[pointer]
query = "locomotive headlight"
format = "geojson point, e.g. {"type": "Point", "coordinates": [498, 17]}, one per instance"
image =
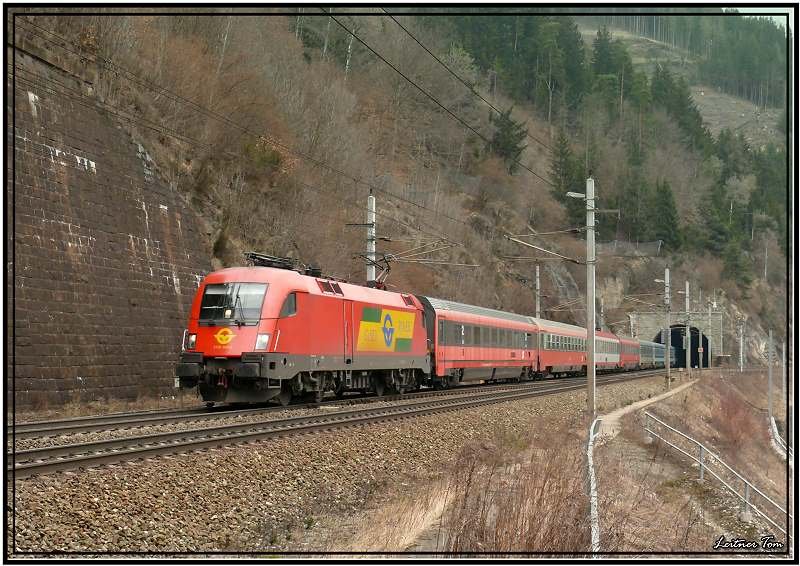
{"type": "Point", "coordinates": [261, 341]}
{"type": "Point", "coordinates": [191, 340]}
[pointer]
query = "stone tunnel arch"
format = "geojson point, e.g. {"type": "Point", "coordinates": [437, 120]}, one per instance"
{"type": "Point", "coordinates": [677, 333]}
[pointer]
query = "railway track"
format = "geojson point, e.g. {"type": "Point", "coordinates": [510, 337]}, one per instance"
{"type": "Point", "coordinates": [140, 419]}
{"type": "Point", "coordinates": [91, 454]}
{"type": "Point", "coordinates": [121, 421]}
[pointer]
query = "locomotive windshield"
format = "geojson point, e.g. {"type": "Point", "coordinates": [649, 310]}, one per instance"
{"type": "Point", "coordinates": [232, 303]}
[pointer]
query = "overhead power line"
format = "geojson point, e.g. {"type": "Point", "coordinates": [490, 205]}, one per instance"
{"type": "Point", "coordinates": [136, 79]}
{"type": "Point", "coordinates": [59, 89]}
{"type": "Point", "coordinates": [430, 96]}
{"type": "Point", "coordinates": [147, 83]}
{"type": "Point", "coordinates": [458, 78]}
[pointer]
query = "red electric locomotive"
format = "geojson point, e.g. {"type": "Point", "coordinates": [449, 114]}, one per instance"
{"type": "Point", "coordinates": [261, 332]}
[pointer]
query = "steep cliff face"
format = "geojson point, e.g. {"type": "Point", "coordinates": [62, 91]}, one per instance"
{"type": "Point", "coordinates": [107, 255]}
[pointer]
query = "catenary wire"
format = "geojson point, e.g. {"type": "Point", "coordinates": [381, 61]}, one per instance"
{"type": "Point", "coordinates": [430, 96]}
{"type": "Point", "coordinates": [136, 79]}
{"type": "Point", "coordinates": [457, 77]}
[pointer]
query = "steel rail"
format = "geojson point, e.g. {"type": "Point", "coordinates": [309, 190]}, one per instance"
{"type": "Point", "coordinates": [61, 458]}
{"type": "Point", "coordinates": [43, 429]}
{"type": "Point", "coordinates": [122, 421]}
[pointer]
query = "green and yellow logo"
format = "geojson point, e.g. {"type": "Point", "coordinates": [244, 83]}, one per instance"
{"type": "Point", "coordinates": [224, 336]}
{"type": "Point", "coordinates": [385, 330]}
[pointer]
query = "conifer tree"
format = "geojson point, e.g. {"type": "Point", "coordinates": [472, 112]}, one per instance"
{"type": "Point", "coordinates": [507, 139]}
{"type": "Point", "coordinates": [565, 174]}
{"type": "Point", "coordinates": [663, 222]}
{"type": "Point", "coordinates": [602, 57]}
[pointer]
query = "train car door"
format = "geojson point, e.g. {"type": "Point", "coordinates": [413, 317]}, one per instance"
{"type": "Point", "coordinates": [348, 331]}
{"type": "Point", "coordinates": [440, 346]}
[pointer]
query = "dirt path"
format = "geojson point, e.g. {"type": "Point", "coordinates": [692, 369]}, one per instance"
{"type": "Point", "coordinates": [610, 425]}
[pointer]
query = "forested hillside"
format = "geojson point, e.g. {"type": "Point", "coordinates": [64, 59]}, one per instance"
{"type": "Point", "coordinates": [466, 128]}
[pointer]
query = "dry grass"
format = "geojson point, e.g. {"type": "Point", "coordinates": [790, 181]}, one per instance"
{"type": "Point", "coordinates": [641, 510]}
{"type": "Point", "coordinates": [735, 420]}
{"type": "Point", "coordinates": [77, 407]}
{"type": "Point", "coordinates": [537, 505]}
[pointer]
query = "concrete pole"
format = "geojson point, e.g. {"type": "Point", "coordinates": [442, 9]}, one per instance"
{"type": "Point", "coordinates": [688, 335]}
{"type": "Point", "coordinates": [538, 294]}
{"type": "Point", "coordinates": [708, 342]}
{"type": "Point", "coordinates": [783, 371]}
{"type": "Point", "coordinates": [769, 374]}
{"type": "Point", "coordinates": [590, 322]}
{"type": "Point", "coordinates": [667, 304]}
{"type": "Point", "coordinates": [700, 337]}
{"type": "Point", "coordinates": [371, 236]}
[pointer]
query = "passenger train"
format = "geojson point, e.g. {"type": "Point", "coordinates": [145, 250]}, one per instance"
{"type": "Point", "coordinates": [271, 331]}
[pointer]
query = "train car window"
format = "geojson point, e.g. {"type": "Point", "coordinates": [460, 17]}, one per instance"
{"type": "Point", "coordinates": [462, 334]}
{"type": "Point", "coordinates": [441, 333]}
{"type": "Point", "coordinates": [289, 307]}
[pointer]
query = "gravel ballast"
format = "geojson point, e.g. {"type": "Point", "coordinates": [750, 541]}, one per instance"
{"type": "Point", "coordinates": [224, 419]}
{"type": "Point", "coordinates": [248, 497]}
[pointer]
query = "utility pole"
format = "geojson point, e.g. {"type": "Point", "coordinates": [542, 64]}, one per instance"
{"type": "Point", "coordinates": [766, 257]}
{"type": "Point", "coordinates": [590, 324]}
{"type": "Point", "coordinates": [769, 375]}
{"type": "Point", "coordinates": [370, 238]}
{"type": "Point", "coordinates": [538, 294]}
{"type": "Point", "coordinates": [668, 337]}
{"type": "Point", "coordinates": [591, 260]}
{"type": "Point", "coordinates": [783, 372]}
{"type": "Point", "coordinates": [688, 335]}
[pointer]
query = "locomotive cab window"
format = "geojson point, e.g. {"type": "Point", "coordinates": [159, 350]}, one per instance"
{"type": "Point", "coordinates": [232, 303]}
{"type": "Point", "coordinates": [289, 307]}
